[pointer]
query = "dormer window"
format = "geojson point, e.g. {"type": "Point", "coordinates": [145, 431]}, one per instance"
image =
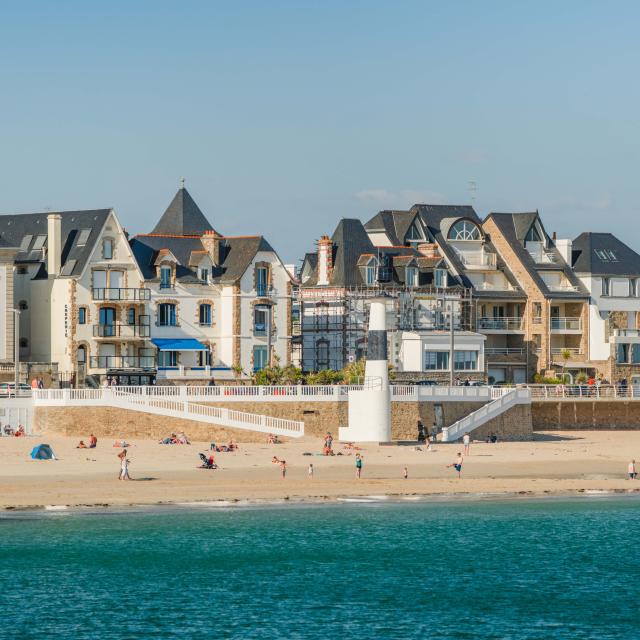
{"type": "Point", "coordinates": [371, 272]}
{"type": "Point", "coordinates": [414, 235]}
{"type": "Point", "coordinates": [411, 277]}
{"type": "Point", "coordinates": [204, 275]}
{"type": "Point", "coordinates": [440, 278]}
{"type": "Point", "coordinates": [165, 277]}
{"type": "Point", "coordinates": [533, 235]}
{"type": "Point", "coordinates": [464, 230]}
{"type": "Point", "coordinates": [107, 249]}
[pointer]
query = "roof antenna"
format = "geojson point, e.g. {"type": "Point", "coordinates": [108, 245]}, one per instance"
{"type": "Point", "coordinates": [473, 187]}
{"type": "Point", "coordinates": [182, 183]}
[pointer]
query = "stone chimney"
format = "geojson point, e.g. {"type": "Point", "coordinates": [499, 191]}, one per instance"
{"type": "Point", "coordinates": [325, 259]}
{"type": "Point", "coordinates": [211, 241]}
{"type": "Point", "coordinates": [565, 248]}
{"type": "Point", "coordinates": [428, 250]}
{"type": "Point", "coordinates": [54, 244]}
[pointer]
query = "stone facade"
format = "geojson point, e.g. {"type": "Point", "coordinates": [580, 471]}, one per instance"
{"type": "Point", "coordinates": [566, 415]}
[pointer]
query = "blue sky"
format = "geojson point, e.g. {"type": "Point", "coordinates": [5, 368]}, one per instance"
{"type": "Point", "coordinates": [286, 116]}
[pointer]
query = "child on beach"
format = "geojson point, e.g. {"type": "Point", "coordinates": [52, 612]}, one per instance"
{"type": "Point", "coordinates": [310, 472]}
{"type": "Point", "coordinates": [632, 470]}
{"type": "Point", "coordinates": [457, 465]}
{"type": "Point", "coordinates": [358, 466]}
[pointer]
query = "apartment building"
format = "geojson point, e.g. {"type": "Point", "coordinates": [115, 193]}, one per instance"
{"type": "Point", "coordinates": [610, 271]}
{"type": "Point", "coordinates": [218, 305]}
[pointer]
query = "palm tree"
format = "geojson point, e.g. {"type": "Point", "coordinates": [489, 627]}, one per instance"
{"type": "Point", "coordinates": [566, 356]}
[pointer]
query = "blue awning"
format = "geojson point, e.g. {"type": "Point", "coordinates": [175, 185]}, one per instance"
{"type": "Point", "coordinates": [179, 344]}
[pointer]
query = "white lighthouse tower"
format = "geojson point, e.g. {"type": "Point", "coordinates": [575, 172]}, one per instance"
{"type": "Point", "coordinates": [370, 408]}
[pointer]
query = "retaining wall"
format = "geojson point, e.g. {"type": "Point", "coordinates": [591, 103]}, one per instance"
{"type": "Point", "coordinates": [565, 415]}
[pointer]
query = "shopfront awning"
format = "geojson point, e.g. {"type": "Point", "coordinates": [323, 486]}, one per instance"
{"type": "Point", "coordinates": [179, 344]}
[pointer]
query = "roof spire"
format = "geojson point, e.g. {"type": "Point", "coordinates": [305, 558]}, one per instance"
{"type": "Point", "coordinates": [182, 183]}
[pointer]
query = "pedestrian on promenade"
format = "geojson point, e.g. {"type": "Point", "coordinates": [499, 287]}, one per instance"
{"type": "Point", "coordinates": [358, 466]}
{"type": "Point", "coordinates": [632, 470]}
{"type": "Point", "coordinates": [457, 465]}
{"type": "Point", "coordinates": [466, 441]}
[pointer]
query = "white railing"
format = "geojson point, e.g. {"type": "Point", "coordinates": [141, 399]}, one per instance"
{"type": "Point", "coordinates": [501, 324]}
{"type": "Point", "coordinates": [503, 400]}
{"type": "Point", "coordinates": [584, 392]}
{"type": "Point", "coordinates": [573, 351]}
{"type": "Point", "coordinates": [504, 351]}
{"type": "Point", "coordinates": [565, 324]}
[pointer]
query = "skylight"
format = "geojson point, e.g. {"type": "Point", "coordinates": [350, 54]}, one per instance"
{"type": "Point", "coordinates": [606, 255]}
{"type": "Point", "coordinates": [26, 241]}
{"type": "Point", "coordinates": [83, 237]}
{"type": "Point", "coordinates": [39, 243]}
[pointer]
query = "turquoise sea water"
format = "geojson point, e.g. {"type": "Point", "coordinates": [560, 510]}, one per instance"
{"type": "Point", "coordinates": [512, 569]}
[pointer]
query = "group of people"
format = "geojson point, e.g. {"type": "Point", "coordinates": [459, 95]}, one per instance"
{"type": "Point", "coordinates": [327, 448]}
{"type": "Point", "coordinates": [93, 443]}
{"type": "Point", "coordinates": [37, 383]}
{"type": "Point", "coordinates": [180, 438]}
{"type": "Point", "coordinates": [224, 448]}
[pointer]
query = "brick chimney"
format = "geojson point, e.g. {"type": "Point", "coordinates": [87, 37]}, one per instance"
{"type": "Point", "coordinates": [428, 250]}
{"type": "Point", "coordinates": [325, 259]}
{"type": "Point", "coordinates": [211, 241]}
{"type": "Point", "coordinates": [54, 244]}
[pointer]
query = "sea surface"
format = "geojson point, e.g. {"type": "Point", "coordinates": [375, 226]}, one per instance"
{"type": "Point", "coordinates": [513, 569]}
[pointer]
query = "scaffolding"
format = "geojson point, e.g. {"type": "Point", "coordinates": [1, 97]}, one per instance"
{"type": "Point", "coordinates": [330, 324]}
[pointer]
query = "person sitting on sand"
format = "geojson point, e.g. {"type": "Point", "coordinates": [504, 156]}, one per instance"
{"type": "Point", "coordinates": [232, 446]}
{"type": "Point", "coordinates": [457, 465]}
{"type": "Point", "coordinates": [20, 432]}
{"type": "Point", "coordinates": [81, 445]}
{"type": "Point", "coordinates": [8, 430]}
{"type": "Point", "coordinates": [93, 441]}
{"type": "Point", "coordinates": [283, 468]}
{"type": "Point", "coordinates": [211, 460]}
{"type": "Point", "coordinates": [275, 460]}
{"type": "Point", "coordinates": [182, 438]}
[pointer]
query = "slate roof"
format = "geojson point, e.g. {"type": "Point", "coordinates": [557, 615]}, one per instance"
{"type": "Point", "coordinates": [394, 223]}
{"type": "Point", "coordinates": [15, 229]}
{"type": "Point", "coordinates": [514, 227]}
{"type": "Point", "coordinates": [623, 261]}
{"type": "Point", "coordinates": [183, 217]}
{"type": "Point", "coordinates": [236, 255]}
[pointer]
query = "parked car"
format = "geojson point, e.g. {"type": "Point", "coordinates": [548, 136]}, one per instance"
{"type": "Point", "coordinates": [425, 383]}
{"type": "Point", "coordinates": [8, 389]}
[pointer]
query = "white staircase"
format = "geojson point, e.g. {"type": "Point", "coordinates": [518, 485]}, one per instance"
{"type": "Point", "coordinates": [503, 400]}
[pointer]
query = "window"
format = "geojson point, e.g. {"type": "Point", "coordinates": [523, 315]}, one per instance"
{"type": "Point", "coordinates": [24, 343]}
{"type": "Point", "coordinates": [167, 359]}
{"type": "Point", "coordinates": [635, 354]}
{"type": "Point", "coordinates": [623, 353]}
{"type": "Point", "coordinates": [533, 235]}
{"type": "Point", "coordinates": [204, 314]}
{"type": "Point", "coordinates": [371, 272]}
{"type": "Point", "coordinates": [259, 358]}
{"type": "Point", "coordinates": [436, 360]}
{"type": "Point", "coordinates": [606, 286]}
{"type": "Point", "coordinates": [262, 281]}
{"type": "Point", "coordinates": [606, 255]}
{"type": "Point", "coordinates": [165, 277]}
{"type": "Point", "coordinates": [204, 358]}
{"type": "Point", "coordinates": [26, 241]}
{"type": "Point", "coordinates": [22, 305]}
{"type": "Point", "coordinates": [83, 236]}
{"type": "Point", "coordinates": [260, 319]}
{"type": "Point", "coordinates": [466, 360]}
{"type": "Point", "coordinates": [82, 315]}
{"type": "Point", "coordinates": [39, 243]}
{"type": "Point", "coordinates": [634, 287]}
{"type": "Point", "coordinates": [414, 234]}
{"type": "Point", "coordinates": [107, 249]}
{"type": "Point", "coordinates": [321, 316]}
{"type": "Point", "coordinates": [440, 277]}
{"type": "Point", "coordinates": [82, 354]}
{"type": "Point", "coordinates": [167, 314]}
{"type": "Point", "coordinates": [204, 275]}
{"type": "Point", "coordinates": [322, 354]}
{"type": "Point", "coordinates": [411, 277]}
{"type": "Point", "coordinates": [464, 230]}
{"type": "Point", "coordinates": [131, 316]}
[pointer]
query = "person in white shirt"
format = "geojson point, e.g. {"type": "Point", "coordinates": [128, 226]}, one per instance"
{"type": "Point", "coordinates": [632, 470]}
{"type": "Point", "coordinates": [466, 441]}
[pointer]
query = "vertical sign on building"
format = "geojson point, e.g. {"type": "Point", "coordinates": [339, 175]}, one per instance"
{"type": "Point", "coordinates": [4, 338]}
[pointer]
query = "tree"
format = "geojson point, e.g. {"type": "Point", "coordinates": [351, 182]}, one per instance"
{"type": "Point", "coordinates": [566, 356]}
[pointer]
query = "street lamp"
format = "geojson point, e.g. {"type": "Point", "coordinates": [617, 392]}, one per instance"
{"type": "Point", "coordinates": [16, 339]}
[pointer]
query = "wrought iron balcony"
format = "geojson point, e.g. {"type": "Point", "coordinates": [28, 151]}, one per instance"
{"type": "Point", "coordinates": [121, 331]}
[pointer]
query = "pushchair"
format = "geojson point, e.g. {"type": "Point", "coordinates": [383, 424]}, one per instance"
{"type": "Point", "coordinates": [205, 462]}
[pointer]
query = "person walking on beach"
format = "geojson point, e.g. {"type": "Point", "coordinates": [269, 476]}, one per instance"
{"type": "Point", "coordinates": [466, 441]}
{"type": "Point", "coordinates": [310, 472]}
{"type": "Point", "coordinates": [457, 465]}
{"type": "Point", "coordinates": [358, 466]}
{"type": "Point", "coordinates": [405, 473]}
{"type": "Point", "coordinates": [283, 468]}
{"type": "Point", "coordinates": [632, 470]}
{"type": "Point", "coordinates": [124, 466]}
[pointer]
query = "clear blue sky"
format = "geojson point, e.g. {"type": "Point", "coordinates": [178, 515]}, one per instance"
{"type": "Point", "coordinates": [286, 116]}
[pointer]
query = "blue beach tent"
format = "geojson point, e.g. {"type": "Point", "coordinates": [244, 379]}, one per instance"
{"type": "Point", "coordinates": [42, 452]}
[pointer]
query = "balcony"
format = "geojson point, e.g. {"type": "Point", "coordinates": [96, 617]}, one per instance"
{"type": "Point", "coordinates": [264, 291]}
{"type": "Point", "coordinates": [123, 331]}
{"type": "Point", "coordinates": [626, 335]}
{"type": "Point", "coordinates": [491, 325]}
{"type": "Point", "coordinates": [121, 295]}
{"type": "Point", "coordinates": [543, 257]}
{"type": "Point", "coordinates": [572, 351]}
{"type": "Point", "coordinates": [505, 351]}
{"type": "Point", "coordinates": [566, 325]}
{"type": "Point", "coordinates": [478, 261]}
{"type": "Point", "coordinates": [122, 362]}
{"type": "Point", "coordinates": [562, 287]}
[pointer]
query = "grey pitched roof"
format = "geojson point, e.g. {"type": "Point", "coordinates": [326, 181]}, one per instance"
{"type": "Point", "coordinates": [350, 241]}
{"type": "Point", "coordinates": [183, 217]}
{"type": "Point", "coordinates": [590, 249]}
{"type": "Point", "coordinates": [236, 255]}
{"type": "Point", "coordinates": [513, 225]}
{"type": "Point", "coordinates": [15, 229]}
{"type": "Point", "coordinates": [394, 223]}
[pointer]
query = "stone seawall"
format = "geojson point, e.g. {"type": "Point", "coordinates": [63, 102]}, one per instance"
{"type": "Point", "coordinates": [319, 417]}
{"type": "Point", "coordinates": [565, 415]}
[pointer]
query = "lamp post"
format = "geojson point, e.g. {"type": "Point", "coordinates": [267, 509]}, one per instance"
{"type": "Point", "coordinates": [16, 346]}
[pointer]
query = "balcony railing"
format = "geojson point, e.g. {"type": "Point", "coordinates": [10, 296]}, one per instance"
{"type": "Point", "coordinates": [626, 333]}
{"type": "Point", "coordinates": [478, 261]}
{"type": "Point", "coordinates": [566, 324]}
{"type": "Point", "coordinates": [505, 351]}
{"type": "Point", "coordinates": [112, 294]}
{"type": "Point", "coordinates": [122, 362]}
{"type": "Point", "coordinates": [120, 331]}
{"type": "Point", "coordinates": [573, 351]}
{"type": "Point", "coordinates": [264, 291]}
{"type": "Point", "coordinates": [543, 257]}
{"type": "Point", "coordinates": [562, 286]}
{"type": "Point", "coordinates": [500, 324]}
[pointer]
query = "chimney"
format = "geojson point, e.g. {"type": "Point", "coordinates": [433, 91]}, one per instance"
{"type": "Point", "coordinates": [554, 237]}
{"type": "Point", "coordinates": [565, 248]}
{"type": "Point", "coordinates": [428, 250]}
{"type": "Point", "coordinates": [54, 244]}
{"type": "Point", "coordinates": [325, 259]}
{"type": "Point", "coordinates": [211, 241]}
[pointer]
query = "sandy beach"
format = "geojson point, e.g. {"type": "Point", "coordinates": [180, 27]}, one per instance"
{"type": "Point", "coordinates": [558, 463]}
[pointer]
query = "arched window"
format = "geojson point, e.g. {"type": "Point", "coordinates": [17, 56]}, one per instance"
{"type": "Point", "coordinates": [82, 355]}
{"type": "Point", "coordinates": [464, 230]}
